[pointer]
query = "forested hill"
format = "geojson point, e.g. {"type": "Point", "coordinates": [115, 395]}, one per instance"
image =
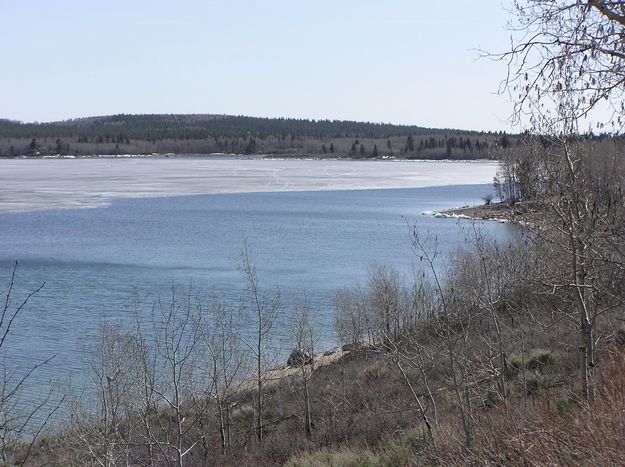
{"type": "Point", "coordinates": [206, 134]}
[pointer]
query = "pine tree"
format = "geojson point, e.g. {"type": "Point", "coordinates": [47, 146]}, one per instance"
{"type": "Point", "coordinates": [410, 143]}
{"type": "Point", "coordinates": [250, 148]}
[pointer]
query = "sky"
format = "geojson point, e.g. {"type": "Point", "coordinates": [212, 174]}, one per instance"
{"type": "Point", "coordinates": [396, 61]}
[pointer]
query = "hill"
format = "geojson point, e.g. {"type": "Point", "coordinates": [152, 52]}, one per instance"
{"type": "Point", "coordinates": [208, 134]}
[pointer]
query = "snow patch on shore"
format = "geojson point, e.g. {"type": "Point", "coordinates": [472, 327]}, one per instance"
{"type": "Point", "coordinates": [451, 215]}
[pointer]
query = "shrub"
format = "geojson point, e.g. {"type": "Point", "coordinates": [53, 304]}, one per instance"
{"type": "Point", "coordinates": [535, 361]}
{"type": "Point", "coordinates": [537, 384]}
{"type": "Point", "coordinates": [539, 359]}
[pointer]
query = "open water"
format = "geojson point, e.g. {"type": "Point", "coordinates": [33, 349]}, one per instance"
{"type": "Point", "coordinates": [98, 263]}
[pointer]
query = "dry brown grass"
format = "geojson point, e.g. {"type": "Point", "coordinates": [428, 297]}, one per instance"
{"type": "Point", "coordinates": [555, 430]}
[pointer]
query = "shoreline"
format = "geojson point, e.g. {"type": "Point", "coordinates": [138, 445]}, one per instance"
{"type": "Point", "coordinates": [521, 213]}
{"type": "Point", "coordinates": [283, 371]}
{"type": "Point", "coordinates": [267, 156]}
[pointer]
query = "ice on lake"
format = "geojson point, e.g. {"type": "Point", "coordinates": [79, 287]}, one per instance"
{"type": "Point", "coordinates": [29, 185]}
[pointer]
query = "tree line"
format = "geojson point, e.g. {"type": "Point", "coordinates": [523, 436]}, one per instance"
{"type": "Point", "coordinates": [206, 134]}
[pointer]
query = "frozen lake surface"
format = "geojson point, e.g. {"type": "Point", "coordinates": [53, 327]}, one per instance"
{"type": "Point", "coordinates": [27, 185]}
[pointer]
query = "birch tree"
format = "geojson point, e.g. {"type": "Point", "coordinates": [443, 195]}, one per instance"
{"type": "Point", "coordinates": [566, 70]}
{"type": "Point", "coordinates": [567, 47]}
{"type": "Point", "coordinates": [264, 311]}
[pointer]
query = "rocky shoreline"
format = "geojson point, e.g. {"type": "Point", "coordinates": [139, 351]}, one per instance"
{"type": "Point", "coordinates": [519, 213]}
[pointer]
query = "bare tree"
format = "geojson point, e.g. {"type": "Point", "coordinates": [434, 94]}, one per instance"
{"type": "Point", "coordinates": [177, 341]}
{"type": "Point", "coordinates": [226, 365]}
{"type": "Point", "coordinates": [388, 300]}
{"type": "Point", "coordinates": [488, 291]}
{"type": "Point", "coordinates": [110, 370]}
{"type": "Point", "coordinates": [399, 354]}
{"type": "Point", "coordinates": [353, 322]}
{"type": "Point", "coordinates": [398, 343]}
{"type": "Point", "coordinates": [101, 427]}
{"type": "Point", "coordinates": [566, 64]}
{"type": "Point", "coordinates": [454, 330]}
{"type": "Point", "coordinates": [584, 234]}
{"type": "Point", "coordinates": [303, 356]}
{"type": "Point", "coordinates": [150, 398]}
{"type": "Point", "coordinates": [265, 311]}
{"type": "Point", "coordinates": [21, 420]}
{"type": "Point", "coordinates": [144, 374]}
{"type": "Point", "coordinates": [567, 47]}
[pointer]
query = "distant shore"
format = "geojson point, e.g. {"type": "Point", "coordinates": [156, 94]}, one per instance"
{"type": "Point", "coordinates": [326, 157]}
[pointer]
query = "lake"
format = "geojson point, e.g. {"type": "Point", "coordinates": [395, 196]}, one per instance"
{"type": "Point", "coordinates": [144, 225]}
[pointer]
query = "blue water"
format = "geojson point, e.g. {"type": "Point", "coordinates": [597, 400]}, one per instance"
{"type": "Point", "coordinates": [97, 263]}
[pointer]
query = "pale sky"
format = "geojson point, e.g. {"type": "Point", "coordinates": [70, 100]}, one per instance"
{"type": "Point", "coordinates": [398, 61]}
